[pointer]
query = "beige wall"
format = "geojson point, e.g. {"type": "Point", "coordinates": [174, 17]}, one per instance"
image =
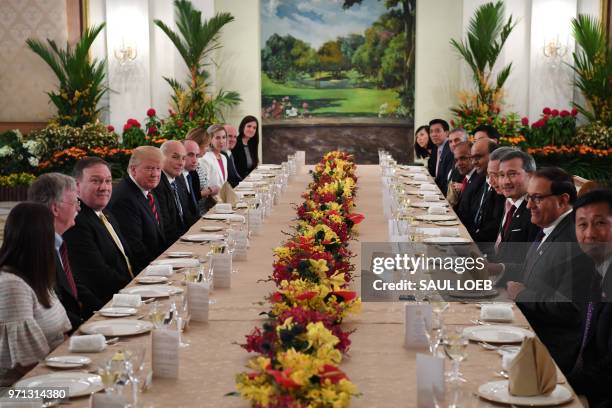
{"type": "Point", "coordinates": [24, 77]}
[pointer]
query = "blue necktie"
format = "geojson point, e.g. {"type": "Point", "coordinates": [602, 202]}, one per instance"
{"type": "Point", "coordinates": [191, 189]}
{"type": "Point", "coordinates": [176, 199]}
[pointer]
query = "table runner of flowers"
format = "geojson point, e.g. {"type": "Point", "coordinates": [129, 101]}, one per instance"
{"type": "Point", "coordinates": [303, 342]}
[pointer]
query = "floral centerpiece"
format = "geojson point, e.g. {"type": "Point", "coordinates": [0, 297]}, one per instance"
{"type": "Point", "coordinates": [302, 344]}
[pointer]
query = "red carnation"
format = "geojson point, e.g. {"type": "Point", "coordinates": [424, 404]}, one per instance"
{"type": "Point", "coordinates": [574, 112]}
{"type": "Point", "coordinates": [546, 111]}
{"type": "Point", "coordinates": [151, 112]}
{"type": "Point", "coordinates": [564, 113]}
{"type": "Point", "coordinates": [525, 121]}
{"type": "Point", "coordinates": [110, 128]}
{"type": "Point", "coordinates": [554, 112]}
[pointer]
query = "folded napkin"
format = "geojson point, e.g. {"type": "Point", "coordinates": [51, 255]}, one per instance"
{"type": "Point", "coordinates": [418, 176]}
{"type": "Point", "coordinates": [158, 270]}
{"type": "Point", "coordinates": [532, 371]}
{"type": "Point", "coordinates": [126, 300]}
{"type": "Point", "coordinates": [437, 209]}
{"type": "Point", "coordinates": [223, 208]}
{"type": "Point", "coordinates": [91, 343]}
{"type": "Point", "coordinates": [432, 232]}
{"type": "Point", "coordinates": [497, 312]}
{"type": "Point", "coordinates": [427, 187]}
{"type": "Point", "coordinates": [431, 197]}
{"type": "Point", "coordinates": [227, 194]}
{"type": "Point", "coordinates": [449, 232]}
{"type": "Point", "coordinates": [246, 184]}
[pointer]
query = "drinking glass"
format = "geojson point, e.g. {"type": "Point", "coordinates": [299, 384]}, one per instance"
{"type": "Point", "coordinates": [157, 314]}
{"type": "Point", "coordinates": [209, 278]}
{"type": "Point", "coordinates": [230, 245]}
{"type": "Point", "coordinates": [438, 306]}
{"type": "Point", "coordinates": [134, 367]}
{"type": "Point", "coordinates": [433, 335]}
{"type": "Point", "coordinates": [455, 346]}
{"type": "Point", "coordinates": [182, 312]}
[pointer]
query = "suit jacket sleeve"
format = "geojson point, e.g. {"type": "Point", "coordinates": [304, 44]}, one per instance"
{"type": "Point", "coordinates": [130, 223]}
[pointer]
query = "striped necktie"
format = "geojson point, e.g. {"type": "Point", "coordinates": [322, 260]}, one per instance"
{"type": "Point", "coordinates": [117, 241]}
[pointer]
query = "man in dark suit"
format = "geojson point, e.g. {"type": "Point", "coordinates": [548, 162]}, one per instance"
{"type": "Point", "coordinates": [58, 192]}
{"type": "Point", "coordinates": [232, 173]}
{"type": "Point", "coordinates": [464, 170]}
{"type": "Point", "coordinates": [136, 208]}
{"type": "Point", "coordinates": [192, 180]}
{"type": "Point", "coordinates": [553, 287]}
{"type": "Point", "coordinates": [98, 251]}
{"type": "Point", "coordinates": [474, 198]}
{"type": "Point", "coordinates": [172, 202]}
{"type": "Point", "coordinates": [441, 160]}
{"type": "Point", "coordinates": [516, 229]}
{"type": "Point", "coordinates": [592, 372]}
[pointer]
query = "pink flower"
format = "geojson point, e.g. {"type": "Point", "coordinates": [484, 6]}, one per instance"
{"type": "Point", "coordinates": [546, 111]}
{"type": "Point", "coordinates": [525, 121]}
{"type": "Point", "coordinates": [151, 112]}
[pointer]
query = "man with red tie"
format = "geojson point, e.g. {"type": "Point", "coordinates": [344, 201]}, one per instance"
{"type": "Point", "coordinates": [136, 209]}
{"type": "Point", "coordinates": [463, 166]}
{"type": "Point", "coordinates": [99, 252]}
{"type": "Point", "coordinates": [58, 192]}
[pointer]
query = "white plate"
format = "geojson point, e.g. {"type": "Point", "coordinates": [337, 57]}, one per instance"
{"type": "Point", "coordinates": [217, 211]}
{"type": "Point", "coordinates": [245, 191]}
{"type": "Point", "coordinates": [177, 262]}
{"type": "Point", "coordinates": [447, 240]}
{"type": "Point", "coordinates": [179, 254]}
{"type": "Point", "coordinates": [118, 327]}
{"type": "Point", "coordinates": [496, 333]}
{"type": "Point", "coordinates": [241, 205]}
{"type": "Point", "coordinates": [211, 228]}
{"type": "Point", "coordinates": [67, 361]}
{"type": "Point", "coordinates": [152, 291]}
{"type": "Point", "coordinates": [150, 280]}
{"type": "Point", "coordinates": [118, 311]}
{"type": "Point", "coordinates": [231, 217]}
{"type": "Point", "coordinates": [427, 204]}
{"type": "Point", "coordinates": [497, 391]}
{"type": "Point", "coordinates": [202, 237]}
{"type": "Point", "coordinates": [78, 383]}
{"type": "Point", "coordinates": [447, 223]}
{"type": "Point", "coordinates": [435, 217]}
{"type": "Point", "coordinates": [269, 166]}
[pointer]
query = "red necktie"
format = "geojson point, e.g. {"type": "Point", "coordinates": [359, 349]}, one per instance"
{"type": "Point", "coordinates": [508, 219]}
{"type": "Point", "coordinates": [152, 206]}
{"type": "Point", "coordinates": [464, 183]}
{"type": "Point", "coordinates": [67, 270]}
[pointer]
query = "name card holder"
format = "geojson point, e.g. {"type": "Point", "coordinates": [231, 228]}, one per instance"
{"type": "Point", "coordinates": [197, 297]}
{"type": "Point", "coordinates": [417, 316]}
{"type": "Point", "coordinates": [222, 270]}
{"type": "Point", "coordinates": [165, 353]}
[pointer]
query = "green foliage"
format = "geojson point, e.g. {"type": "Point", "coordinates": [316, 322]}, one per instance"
{"type": "Point", "coordinates": [596, 134]}
{"type": "Point", "coordinates": [593, 68]}
{"type": "Point", "coordinates": [195, 39]}
{"type": "Point", "coordinates": [17, 179]}
{"type": "Point", "coordinates": [487, 34]}
{"type": "Point", "coordinates": [80, 79]}
{"type": "Point", "coordinates": [55, 138]}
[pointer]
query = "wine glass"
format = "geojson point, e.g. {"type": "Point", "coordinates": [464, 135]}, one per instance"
{"type": "Point", "coordinates": [134, 367]}
{"type": "Point", "coordinates": [230, 245]}
{"type": "Point", "coordinates": [209, 277]}
{"type": "Point", "coordinates": [438, 306]}
{"type": "Point", "coordinates": [157, 314]}
{"type": "Point", "coordinates": [182, 312]}
{"type": "Point", "coordinates": [433, 335]}
{"type": "Point", "coordinates": [455, 346]}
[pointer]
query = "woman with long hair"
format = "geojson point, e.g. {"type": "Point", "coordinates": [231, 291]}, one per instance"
{"type": "Point", "coordinates": [32, 319]}
{"type": "Point", "coordinates": [202, 138]}
{"type": "Point", "coordinates": [245, 152]}
{"type": "Point", "coordinates": [423, 145]}
{"type": "Point", "coordinates": [215, 161]}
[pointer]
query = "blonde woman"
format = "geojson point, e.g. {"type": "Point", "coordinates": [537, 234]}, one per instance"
{"type": "Point", "coordinates": [216, 162]}
{"type": "Point", "coordinates": [202, 138]}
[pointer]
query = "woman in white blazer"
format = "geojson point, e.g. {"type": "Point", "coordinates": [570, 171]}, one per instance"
{"type": "Point", "coordinates": [215, 162]}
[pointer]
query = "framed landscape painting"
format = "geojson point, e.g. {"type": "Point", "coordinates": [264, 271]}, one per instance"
{"type": "Point", "coordinates": [337, 58]}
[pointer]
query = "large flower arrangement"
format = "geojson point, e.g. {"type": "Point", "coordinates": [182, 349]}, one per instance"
{"type": "Point", "coordinates": [302, 343]}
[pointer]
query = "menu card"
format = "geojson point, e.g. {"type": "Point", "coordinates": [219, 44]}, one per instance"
{"type": "Point", "coordinates": [197, 296]}
{"type": "Point", "coordinates": [165, 353]}
{"type": "Point", "coordinates": [430, 380]}
{"type": "Point", "coordinates": [416, 317]}
{"type": "Point", "coordinates": [222, 270]}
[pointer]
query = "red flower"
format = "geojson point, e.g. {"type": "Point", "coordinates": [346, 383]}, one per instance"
{"type": "Point", "coordinates": [347, 295]}
{"type": "Point", "coordinates": [564, 113]}
{"type": "Point", "coordinates": [546, 111]}
{"type": "Point", "coordinates": [574, 112]}
{"type": "Point", "coordinates": [191, 115]}
{"type": "Point", "coordinates": [282, 378]}
{"type": "Point", "coordinates": [538, 124]}
{"type": "Point", "coordinates": [452, 122]}
{"type": "Point", "coordinates": [151, 112]}
{"type": "Point", "coordinates": [356, 218]}
{"type": "Point", "coordinates": [554, 112]}
{"type": "Point", "coordinates": [171, 112]}
{"type": "Point", "coordinates": [333, 373]}
{"type": "Point", "coordinates": [110, 128]}
{"type": "Point", "coordinates": [276, 297]}
{"type": "Point", "coordinates": [127, 126]}
{"type": "Point", "coordinates": [152, 130]}
{"type": "Point", "coordinates": [525, 121]}
{"type": "Point", "coordinates": [306, 295]}
{"type": "Point", "coordinates": [133, 122]}
{"type": "Point", "coordinates": [179, 123]}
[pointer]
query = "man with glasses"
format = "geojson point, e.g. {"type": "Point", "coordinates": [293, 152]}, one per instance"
{"type": "Point", "coordinates": [592, 371]}
{"type": "Point", "coordinates": [136, 207]}
{"type": "Point", "coordinates": [58, 192]}
{"type": "Point", "coordinates": [551, 285]}
{"type": "Point", "coordinates": [515, 228]}
{"type": "Point", "coordinates": [98, 251]}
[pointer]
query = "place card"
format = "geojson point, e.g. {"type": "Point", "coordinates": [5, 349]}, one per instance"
{"type": "Point", "coordinates": [255, 220]}
{"type": "Point", "coordinates": [430, 380]}
{"type": "Point", "coordinates": [222, 270]}
{"type": "Point", "coordinates": [417, 315]}
{"type": "Point", "coordinates": [242, 244]}
{"type": "Point", "coordinates": [165, 353]}
{"type": "Point", "coordinates": [197, 297]}
{"type": "Point", "coordinates": [104, 400]}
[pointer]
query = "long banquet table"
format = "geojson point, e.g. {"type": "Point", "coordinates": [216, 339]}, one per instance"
{"type": "Point", "coordinates": [383, 370]}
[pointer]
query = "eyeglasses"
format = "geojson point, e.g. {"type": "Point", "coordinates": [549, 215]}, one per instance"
{"type": "Point", "coordinates": [537, 198]}
{"type": "Point", "coordinates": [75, 203]}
